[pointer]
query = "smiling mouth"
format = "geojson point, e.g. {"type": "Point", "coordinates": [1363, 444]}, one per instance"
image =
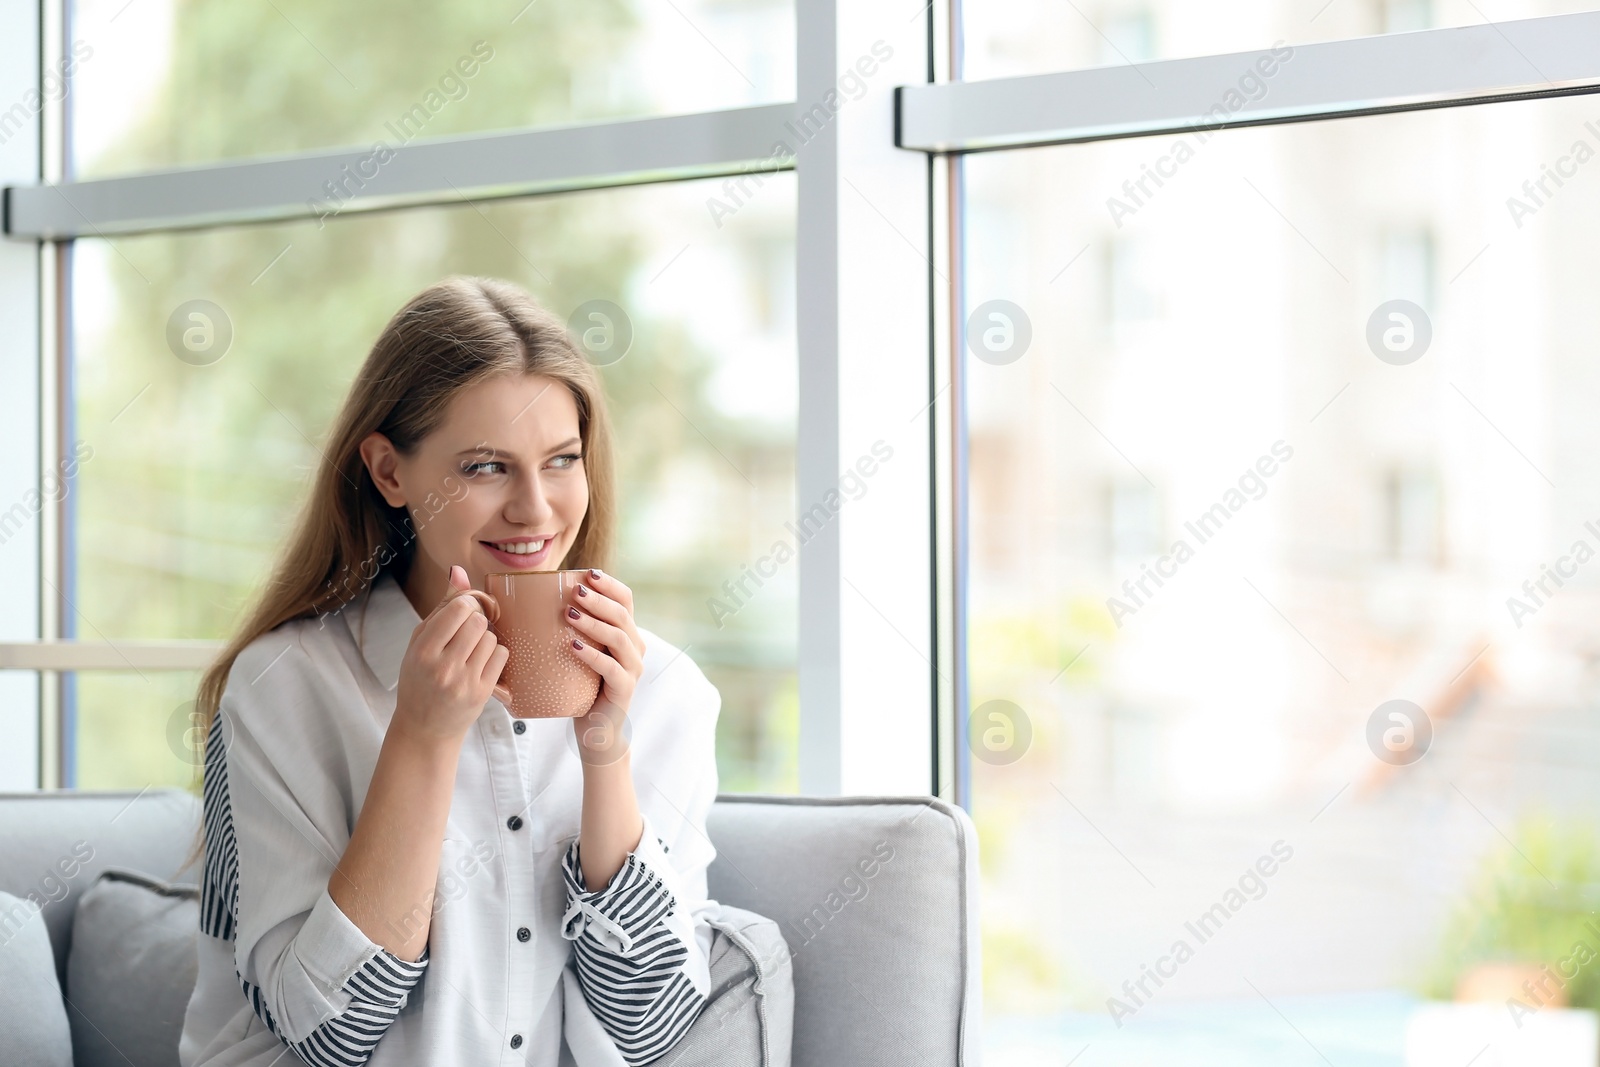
{"type": "Point", "coordinates": [519, 548]}
{"type": "Point", "coordinates": [520, 553]}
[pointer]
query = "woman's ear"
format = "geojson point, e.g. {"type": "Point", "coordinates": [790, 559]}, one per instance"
{"type": "Point", "coordinates": [382, 461]}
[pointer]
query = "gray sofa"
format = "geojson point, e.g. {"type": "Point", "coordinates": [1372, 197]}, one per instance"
{"type": "Point", "coordinates": [875, 896]}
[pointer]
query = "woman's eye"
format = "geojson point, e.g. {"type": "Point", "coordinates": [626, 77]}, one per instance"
{"type": "Point", "coordinates": [571, 457]}
{"type": "Point", "coordinates": [473, 468]}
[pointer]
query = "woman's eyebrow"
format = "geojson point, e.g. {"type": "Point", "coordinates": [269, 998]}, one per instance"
{"type": "Point", "coordinates": [480, 449]}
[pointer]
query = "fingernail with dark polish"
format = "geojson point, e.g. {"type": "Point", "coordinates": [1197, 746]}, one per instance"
{"type": "Point", "coordinates": [574, 613]}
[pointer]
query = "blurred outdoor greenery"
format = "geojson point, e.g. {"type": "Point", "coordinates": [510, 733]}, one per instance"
{"type": "Point", "coordinates": [197, 470]}
{"type": "Point", "coordinates": [257, 79]}
{"type": "Point", "coordinates": [1531, 902]}
{"type": "Point", "coordinates": [1040, 660]}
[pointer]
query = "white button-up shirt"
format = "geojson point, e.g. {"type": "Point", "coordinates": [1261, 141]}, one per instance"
{"type": "Point", "coordinates": [523, 965]}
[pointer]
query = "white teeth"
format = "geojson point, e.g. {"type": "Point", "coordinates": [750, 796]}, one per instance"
{"type": "Point", "coordinates": [522, 548]}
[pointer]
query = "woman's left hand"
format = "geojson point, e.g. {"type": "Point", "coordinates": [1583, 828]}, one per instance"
{"type": "Point", "coordinates": [612, 646]}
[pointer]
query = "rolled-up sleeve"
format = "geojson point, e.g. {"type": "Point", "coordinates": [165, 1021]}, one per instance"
{"type": "Point", "coordinates": [641, 943]}
{"type": "Point", "coordinates": [277, 825]}
{"type": "Point", "coordinates": [635, 953]}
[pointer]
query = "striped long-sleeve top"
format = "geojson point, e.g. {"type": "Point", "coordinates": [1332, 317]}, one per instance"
{"type": "Point", "coordinates": [522, 957]}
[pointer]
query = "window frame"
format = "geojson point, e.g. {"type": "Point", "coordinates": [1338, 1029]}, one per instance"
{"type": "Point", "coordinates": [882, 676]}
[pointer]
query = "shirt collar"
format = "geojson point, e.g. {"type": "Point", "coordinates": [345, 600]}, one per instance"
{"type": "Point", "coordinates": [383, 628]}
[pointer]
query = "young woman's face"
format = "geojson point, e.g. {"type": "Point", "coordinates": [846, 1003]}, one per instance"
{"type": "Point", "coordinates": [499, 486]}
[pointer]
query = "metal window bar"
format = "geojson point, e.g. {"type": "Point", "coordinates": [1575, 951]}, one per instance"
{"type": "Point", "coordinates": [1528, 58]}
{"type": "Point", "coordinates": [441, 170]}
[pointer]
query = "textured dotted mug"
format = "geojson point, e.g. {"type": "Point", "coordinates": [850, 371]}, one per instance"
{"type": "Point", "coordinates": [543, 677]}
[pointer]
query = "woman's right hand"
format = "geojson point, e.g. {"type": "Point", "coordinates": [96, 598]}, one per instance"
{"type": "Point", "coordinates": [450, 667]}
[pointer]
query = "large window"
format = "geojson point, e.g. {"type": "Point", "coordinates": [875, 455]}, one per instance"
{"type": "Point", "coordinates": [1283, 529]}
{"type": "Point", "coordinates": [295, 173]}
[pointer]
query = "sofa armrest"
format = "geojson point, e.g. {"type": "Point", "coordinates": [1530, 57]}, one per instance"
{"type": "Point", "coordinates": [877, 898]}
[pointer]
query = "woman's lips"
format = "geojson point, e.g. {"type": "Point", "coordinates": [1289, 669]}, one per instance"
{"type": "Point", "coordinates": [523, 562]}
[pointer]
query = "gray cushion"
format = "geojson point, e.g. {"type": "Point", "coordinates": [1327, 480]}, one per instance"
{"type": "Point", "coordinates": [873, 896]}
{"type": "Point", "coordinates": [131, 969]}
{"type": "Point", "coordinates": [33, 1024]}
{"type": "Point", "coordinates": [53, 844]}
{"type": "Point", "coordinates": [748, 1020]}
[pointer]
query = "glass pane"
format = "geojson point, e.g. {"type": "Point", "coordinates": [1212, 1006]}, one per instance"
{"type": "Point", "coordinates": [195, 469]}
{"type": "Point", "coordinates": [1285, 513]}
{"type": "Point", "coordinates": [1014, 37]}
{"type": "Point", "coordinates": [135, 729]}
{"type": "Point", "coordinates": [159, 84]}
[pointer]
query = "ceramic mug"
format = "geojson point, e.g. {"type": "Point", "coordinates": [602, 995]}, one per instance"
{"type": "Point", "coordinates": [543, 677]}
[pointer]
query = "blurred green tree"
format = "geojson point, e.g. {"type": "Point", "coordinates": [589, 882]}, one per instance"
{"type": "Point", "coordinates": [1534, 902]}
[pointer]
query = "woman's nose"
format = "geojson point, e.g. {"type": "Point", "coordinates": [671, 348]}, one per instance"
{"type": "Point", "coordinates": [528, 506]}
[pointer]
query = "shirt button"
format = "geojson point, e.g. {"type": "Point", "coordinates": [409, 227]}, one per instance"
{"type": "Point", "coordinates": [515, 822]}
{"type": "Point", "coordinates": [523, 933]}
{"type": "Point", "coordinates": [516, 1040]}
{"type": "Point", "coordinates": [519, 726]}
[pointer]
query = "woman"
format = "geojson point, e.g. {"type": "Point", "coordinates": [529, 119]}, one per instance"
{"type": "Point", "coordinates": [396, 870]}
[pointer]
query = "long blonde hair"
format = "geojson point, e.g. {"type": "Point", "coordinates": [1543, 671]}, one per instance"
{"type": "Point", "coordinates": [451, 335]}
